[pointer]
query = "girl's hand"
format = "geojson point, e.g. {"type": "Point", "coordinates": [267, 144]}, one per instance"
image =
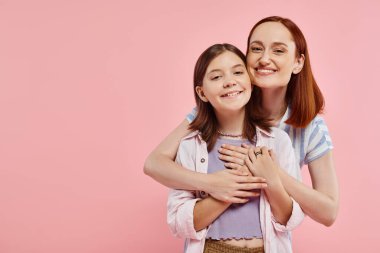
{"type": "Point", "coordinates": [234, 186]}
{"type": "Point", "coordinates": [234, 156]}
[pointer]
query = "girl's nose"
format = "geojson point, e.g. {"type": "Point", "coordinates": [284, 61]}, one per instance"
{"type": "Point", "coordinates": [229, 84]}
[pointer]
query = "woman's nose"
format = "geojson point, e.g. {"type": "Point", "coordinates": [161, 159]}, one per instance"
{"type": "Point", "coordinates": [265, 58]}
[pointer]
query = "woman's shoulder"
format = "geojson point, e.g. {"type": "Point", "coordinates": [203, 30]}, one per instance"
{"type": "Point", "coordinates": [318, 121]}
{"type": "Point", "coordinates": [279, 134]}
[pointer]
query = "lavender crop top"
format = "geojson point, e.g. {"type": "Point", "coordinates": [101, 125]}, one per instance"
{"type": "Point", "coordinates": [239, 220]}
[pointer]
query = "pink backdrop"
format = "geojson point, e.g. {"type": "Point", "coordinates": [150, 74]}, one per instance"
{"type": "Point", "coordinates": [88, 89]}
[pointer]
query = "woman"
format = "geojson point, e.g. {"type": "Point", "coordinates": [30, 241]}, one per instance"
{"type": "Point", "coordinates": [279, 66]}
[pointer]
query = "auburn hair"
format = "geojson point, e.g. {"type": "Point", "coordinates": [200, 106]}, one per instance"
{"type": "Point", "coordinates": [206, 121]}
{"type": "Point", "coordinates": [303, 95]}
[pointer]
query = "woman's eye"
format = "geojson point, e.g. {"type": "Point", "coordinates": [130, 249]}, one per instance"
{"type": "Point", "coordinates": [279, 51]}
{"type": "Point", "coordinates": [239, 72]}
{"type": "Point", "coordinates": [256, 49]}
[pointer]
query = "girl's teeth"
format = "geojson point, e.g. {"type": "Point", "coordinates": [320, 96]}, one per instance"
{"type": "Point", "coordinates": [232, 94]}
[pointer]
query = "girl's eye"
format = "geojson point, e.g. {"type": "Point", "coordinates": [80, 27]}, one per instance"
{"type": "Point", "coordinates": [214, 78]}
{"type": "Point", "coordinates": [238, 72]}
{"type": "Point", "coordinates": [279, 51]}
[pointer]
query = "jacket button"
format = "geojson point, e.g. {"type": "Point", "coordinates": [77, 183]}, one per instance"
{"type": "Point", "coordinates": [203, 194]}
{"type": "Point", "coordinates": [203, 160]}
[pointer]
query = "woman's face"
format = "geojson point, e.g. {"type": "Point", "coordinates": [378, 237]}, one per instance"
{"type": "Point", "coordinates": [226, 84]}
{"type": "Point", "coordinates": [271, 58]}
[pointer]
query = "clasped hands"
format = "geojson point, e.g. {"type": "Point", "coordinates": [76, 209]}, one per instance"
{"type": "Point", "coordinates": [250, 170]}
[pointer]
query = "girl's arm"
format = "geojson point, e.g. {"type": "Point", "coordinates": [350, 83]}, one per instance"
{"type": "Point", "coordinates": [206, 211]}
{"type": "Point", "coordinates": [322, 201]}
{"type": "Point", "coordinates": [226, 185]}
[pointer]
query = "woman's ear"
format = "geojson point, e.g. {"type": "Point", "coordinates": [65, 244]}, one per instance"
{"type": "Point", "coordinates": [299, 64]}
{"type": "Point", "coordinates": [201, 94]}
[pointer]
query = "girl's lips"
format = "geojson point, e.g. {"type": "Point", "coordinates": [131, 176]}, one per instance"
{"type": "Point", "coordinates": [231, 94]}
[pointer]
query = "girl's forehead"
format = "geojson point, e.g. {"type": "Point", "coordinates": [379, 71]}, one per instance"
{"type": "Point", "coordinates": [225, 59]}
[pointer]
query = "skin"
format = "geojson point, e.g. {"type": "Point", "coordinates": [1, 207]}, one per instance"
{"type": "Point", "coordinates": [321, 202]}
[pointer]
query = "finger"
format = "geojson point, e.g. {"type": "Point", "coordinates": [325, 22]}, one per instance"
{"type": "Point", "coordinates": [231, 153]}
{"type": "Point", "coordinates": [264, 151]}
{"type": "Point", "coordinates": [238, 149]}
{"type": "Point", "coordinates": [231, 159]}
{"type": "Point", "coordinates": [235, 200]}
{"type": "Point", "coordinates": [253, 186]}
{"type": "Point", "coordinates": [248, 163]}
{"type": "Point", "coordinates": [238, 173]}
{"type": "Point", "coordinates": [247, 180]}
{"type": "Point", "coordinates": [233, 166]}
{"type": "Point", "coordinates": [273, 155]}
{"type": "Point", "coordinates": [251, 154]}
{"type": "Point", "coordinates": [257, 151]}
{"type": "Point", "coordinates": [244, 145]}
{"type": "Point", "coordinates": [246, 194]}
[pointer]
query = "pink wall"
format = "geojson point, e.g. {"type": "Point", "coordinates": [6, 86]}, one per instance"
{"type": "Point", "coordinates": [88, 88]}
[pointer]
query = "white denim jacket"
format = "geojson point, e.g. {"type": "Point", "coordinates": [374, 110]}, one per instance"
{"type": "Point", "coordinates": [192, 154]}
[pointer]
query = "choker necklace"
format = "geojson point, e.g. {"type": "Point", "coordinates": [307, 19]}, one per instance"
{"type": "Point", "coordinates": [230, 135]}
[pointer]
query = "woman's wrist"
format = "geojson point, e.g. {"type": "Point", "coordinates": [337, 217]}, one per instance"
{"type": "Point", "coordinates": [204, 182]}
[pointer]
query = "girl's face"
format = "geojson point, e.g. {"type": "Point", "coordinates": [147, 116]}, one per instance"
{"type": "Point", "coordinates": [271, 58]}
{"type": "Point", "coordinates": [226, 84]}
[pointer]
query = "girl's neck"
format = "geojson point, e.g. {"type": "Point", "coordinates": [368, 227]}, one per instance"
{"type": "Point", "coordinates": [273, 103]}
{"type": "Point", "coordinates": [231, 122]}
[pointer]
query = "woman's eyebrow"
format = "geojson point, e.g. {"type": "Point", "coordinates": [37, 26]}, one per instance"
{"type": "Point", "coordinates": [274, 43]}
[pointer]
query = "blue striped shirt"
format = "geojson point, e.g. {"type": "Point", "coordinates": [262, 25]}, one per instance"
{"type": "Point", "coordinates": [309, 143]}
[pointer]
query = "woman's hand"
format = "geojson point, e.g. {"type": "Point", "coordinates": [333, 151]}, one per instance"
{"type": "Point", "coordinates": [234, 186]}
{"type": "Point", "coordinates": [259, 161]}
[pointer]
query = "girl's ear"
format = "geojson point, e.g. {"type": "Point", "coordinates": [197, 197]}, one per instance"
{"type": "Point", "coordinates": [299, 64]}
{"type": "Point", "coordinates": [201, 94]}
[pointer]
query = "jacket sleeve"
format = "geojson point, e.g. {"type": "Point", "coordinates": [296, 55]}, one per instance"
{"type": "Point", "coordinates": [287, 161]}
{"type": "Point", "coordinates": [181, 203]}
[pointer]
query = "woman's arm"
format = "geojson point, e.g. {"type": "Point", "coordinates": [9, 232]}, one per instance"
{"type": "Point", "coordinates": [262, 165]}
{"type": "Point", "coordinates": [225, 185]}
{"type": "Point", "coordinates": [321, 202]}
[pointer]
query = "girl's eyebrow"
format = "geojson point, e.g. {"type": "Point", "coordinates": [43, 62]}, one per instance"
{"type": "Point", "coordinates": [235, 66]}
{"type": "Point", "coordinates": [274, 43]}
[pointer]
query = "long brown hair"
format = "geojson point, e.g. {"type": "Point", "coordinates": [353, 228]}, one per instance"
{"type": "Point", "coordinates": [303, 94]}
{"type": "Point", "coordinates": [206, 121]}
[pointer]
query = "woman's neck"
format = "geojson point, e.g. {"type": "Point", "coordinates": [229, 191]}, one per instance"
{"type": "Point", "coordinates": [231, 122]}
{"type": "Point", "coordinates": [273, 103]}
